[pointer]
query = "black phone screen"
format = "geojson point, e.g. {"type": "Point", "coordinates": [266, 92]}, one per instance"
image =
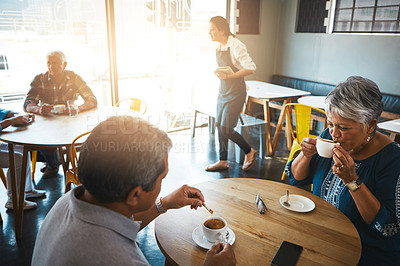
{"type": "Point", "coordinates": [287, 254]}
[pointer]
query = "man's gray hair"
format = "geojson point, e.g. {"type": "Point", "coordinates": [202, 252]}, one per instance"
{"type": "Point", "coordinates": [59, 54]}
{"type": "Point", "coordinates": [120, 154]}
{"type": "Point", "coordinates": [357, 99]}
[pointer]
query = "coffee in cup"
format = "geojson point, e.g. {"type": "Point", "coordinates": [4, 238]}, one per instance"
{"type": "Point", "coordinates": [214, 228]}
{"type": "Point", "coordinates": [59, 108]}
{"type": "Point", "coordinates": [325, 147]}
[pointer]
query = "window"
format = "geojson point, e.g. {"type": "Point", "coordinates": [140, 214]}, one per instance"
{"type": "Point", "coordinates": [349, 16]}
{"type": "Point", "coordinates": [3, 62]}
{"type": "Point", "coordinates": [370, 16]}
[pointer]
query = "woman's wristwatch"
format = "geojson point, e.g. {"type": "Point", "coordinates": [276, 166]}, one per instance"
{"type": "Point", "coordinates": [354, 185]}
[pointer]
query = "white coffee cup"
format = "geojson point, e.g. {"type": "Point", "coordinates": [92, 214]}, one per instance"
{"type": "Point", "coordinates": [214, 228]}
{"type": "Point", "coordinates": [59, 108]}
{"type": "Point", "coordinates": [325, 147]}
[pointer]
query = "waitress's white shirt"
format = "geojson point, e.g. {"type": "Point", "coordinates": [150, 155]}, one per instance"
{"type": "Point", "coordinates": [239, 55]}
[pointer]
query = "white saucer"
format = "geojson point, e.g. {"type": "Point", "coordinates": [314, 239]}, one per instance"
{"type": "Point", "coordinates": [200, 239]}
{"type": "Point", "coordinates": [298, 203]}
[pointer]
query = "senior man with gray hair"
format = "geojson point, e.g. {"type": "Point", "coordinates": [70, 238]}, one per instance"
{"type": "Point", "coordinates": [362, 179]}
{"type": "Point", "coordinates": [56, 86]}
{"type": "Point", "coordinates": [121, 167]}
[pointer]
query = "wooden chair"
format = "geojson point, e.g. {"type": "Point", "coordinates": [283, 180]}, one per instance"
{"type": "Point", "coordinates": [135, 104]}
{"type": "Point", "coordinates": [71, 176]}
{"type": "Point", "coordinates": [3, 177]}
{"type": "Point", "coordinates": [34, 157]}
{"type": "Point", "coordinates": [303, 118]}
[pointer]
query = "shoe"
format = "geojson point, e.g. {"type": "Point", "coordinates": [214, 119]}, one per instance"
{"type": "Point", "coordinates": [35, 193]}
{"type": "Point", "coordinates": [44, 168]}
{"type": "Point", "coordinates": [50, 172]}
{"type": "Point", "coordinates": [215, 167]}
{"type": "Point", "coordinates": [28, 205]}
{"type": "Point", "coordinates": [250, 161]}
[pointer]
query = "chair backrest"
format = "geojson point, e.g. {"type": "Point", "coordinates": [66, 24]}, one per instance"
{"type": "Point", "coordinates": [74, 154]}
{"type": "Point", "coordinates": [303, 118]}
{"type": "Point", "coordinates": [135, 104]}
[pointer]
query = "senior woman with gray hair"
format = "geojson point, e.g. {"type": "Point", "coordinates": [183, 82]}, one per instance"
{"type": "Point", "coordinates": [362, 179]}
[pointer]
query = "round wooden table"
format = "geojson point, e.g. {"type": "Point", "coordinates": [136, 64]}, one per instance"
{"type": "Point", "coordinates": [55, 130]}
{"type": "Point", "coordinates": [49, 131]}
{"type": "Point", "coordinates": [326, 234]}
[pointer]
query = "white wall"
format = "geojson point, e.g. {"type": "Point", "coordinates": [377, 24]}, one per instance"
{"type": "Point", "coordinates": [262, 47]}
{"type": "Point", "coordinates": [331, 58]}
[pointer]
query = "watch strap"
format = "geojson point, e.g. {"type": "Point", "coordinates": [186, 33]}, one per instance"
{"type": "Point", "coordinates": [159, 206]}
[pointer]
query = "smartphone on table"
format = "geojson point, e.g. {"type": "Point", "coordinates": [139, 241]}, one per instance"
{"type": "Point", "coordinates": [287, 254]}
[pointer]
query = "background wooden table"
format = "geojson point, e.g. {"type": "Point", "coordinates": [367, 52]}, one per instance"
{"type": "Point", "coordinates": [264, 93]}
{"type": "Point", "coordinates": [49, 131]}
{"type": "Point", "coordinates": [314, 101]}
{"type": "Point", "coordinates": [392, 126]}
{"type": "Point", "coordinates": [326, 234]}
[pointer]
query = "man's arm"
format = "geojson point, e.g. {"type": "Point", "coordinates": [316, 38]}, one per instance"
{"type": "Point", "coordinates": [13, 120]}
{"type": "Point", "coordinates": [86, 93]}
{"type": "Point", "coordinates": [44, 109]}
{"type": "Point", "coordinates": [181, 197]}
{"type": "Point", "coordinates": [31, 101]}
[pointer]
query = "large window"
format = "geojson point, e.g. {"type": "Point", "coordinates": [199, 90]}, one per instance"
{"type": "Point", "coordinates": [163, 51]}
{"type": "Point", "coordinates": [31, 29]}
{"type": "Point", "coordinates": [349, 16]}
{"type": "Point", "coordinates": [165, 56]}
{"type": "Point", "coordinates": [367, 16]}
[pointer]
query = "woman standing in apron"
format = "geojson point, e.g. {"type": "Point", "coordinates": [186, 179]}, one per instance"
{"type": "Point", "coordinates": [232, 92]}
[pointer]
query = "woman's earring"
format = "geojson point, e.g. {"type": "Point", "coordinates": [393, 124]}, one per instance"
{"type": "Point", "coordinates": [369, 138]}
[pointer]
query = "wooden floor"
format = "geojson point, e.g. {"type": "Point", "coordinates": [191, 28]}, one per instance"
{"type": "Point", "coordinates": [187, 161]}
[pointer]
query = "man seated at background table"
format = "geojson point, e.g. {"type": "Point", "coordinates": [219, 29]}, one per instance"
{"type": "Point", "coordinates": [121, 166]}
{"type": "Point", "coordinates": [9, 118]}
{"type": "Point", "coordinates": [56, 86]}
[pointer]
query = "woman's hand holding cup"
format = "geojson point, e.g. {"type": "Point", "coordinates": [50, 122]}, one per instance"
{"type": "Point", "coordinates": [308, 147]}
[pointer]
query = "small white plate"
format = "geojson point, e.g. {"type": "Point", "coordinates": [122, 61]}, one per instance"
{"type": "Point", "coordinates": [298, 203]}
{"type": "Point", "coordinates": [201, 240]}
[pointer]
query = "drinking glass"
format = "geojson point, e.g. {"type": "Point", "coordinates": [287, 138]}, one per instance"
{"type": "Point", "coordinates": [72, 108]}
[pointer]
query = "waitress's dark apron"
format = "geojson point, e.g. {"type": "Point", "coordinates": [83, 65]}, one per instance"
{"type": "Point", "coordinates": [232, 94]}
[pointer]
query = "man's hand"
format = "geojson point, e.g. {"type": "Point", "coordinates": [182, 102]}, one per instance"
{"type": "Point", "coordinates": [220, 254]}
{"type": "Point", "coordinates": [183, 196]}
{"type": "Point", "coordinates": [45, 108]}
{"type": "Point", "coordinates": [22, 119]}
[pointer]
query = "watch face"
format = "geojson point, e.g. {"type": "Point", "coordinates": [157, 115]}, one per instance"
{"type": "Point", "coordinates": [353, 185]}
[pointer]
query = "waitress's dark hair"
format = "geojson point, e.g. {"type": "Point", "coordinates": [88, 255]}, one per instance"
{"type": "Point", "coordinates": [221, 24]}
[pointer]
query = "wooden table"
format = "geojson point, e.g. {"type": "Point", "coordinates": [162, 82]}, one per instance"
{"type": "Point", "coordinates": [326, 234]}
{"type": "Point", "coordinates": [392, 126]}
{"type": "Point", "coordinates": [263, 93]}
{"type": "Point", "coordinates": [314, 101]}
{"type": "Point", "coordinates": [48, 132]}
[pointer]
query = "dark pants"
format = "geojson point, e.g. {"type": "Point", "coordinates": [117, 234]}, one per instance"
{"type": "Point", "coordinates": [225, 134]}
{"type": "Point", "coordinates": [50, 156]}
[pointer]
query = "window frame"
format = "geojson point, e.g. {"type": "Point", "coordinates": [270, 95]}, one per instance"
{"type": "Point", "coordinates": [334, 9]}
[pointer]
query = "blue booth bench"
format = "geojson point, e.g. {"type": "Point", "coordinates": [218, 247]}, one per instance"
{"type": "Point", "coordinates": [391, 102]}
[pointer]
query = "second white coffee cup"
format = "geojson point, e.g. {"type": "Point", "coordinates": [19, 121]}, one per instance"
{"type": "Point", "coordinates": [214, 228]}
{"type": "Point", "coordinates": [59, 108]}
{"type": "Point", "coordinates": [325, 147]}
